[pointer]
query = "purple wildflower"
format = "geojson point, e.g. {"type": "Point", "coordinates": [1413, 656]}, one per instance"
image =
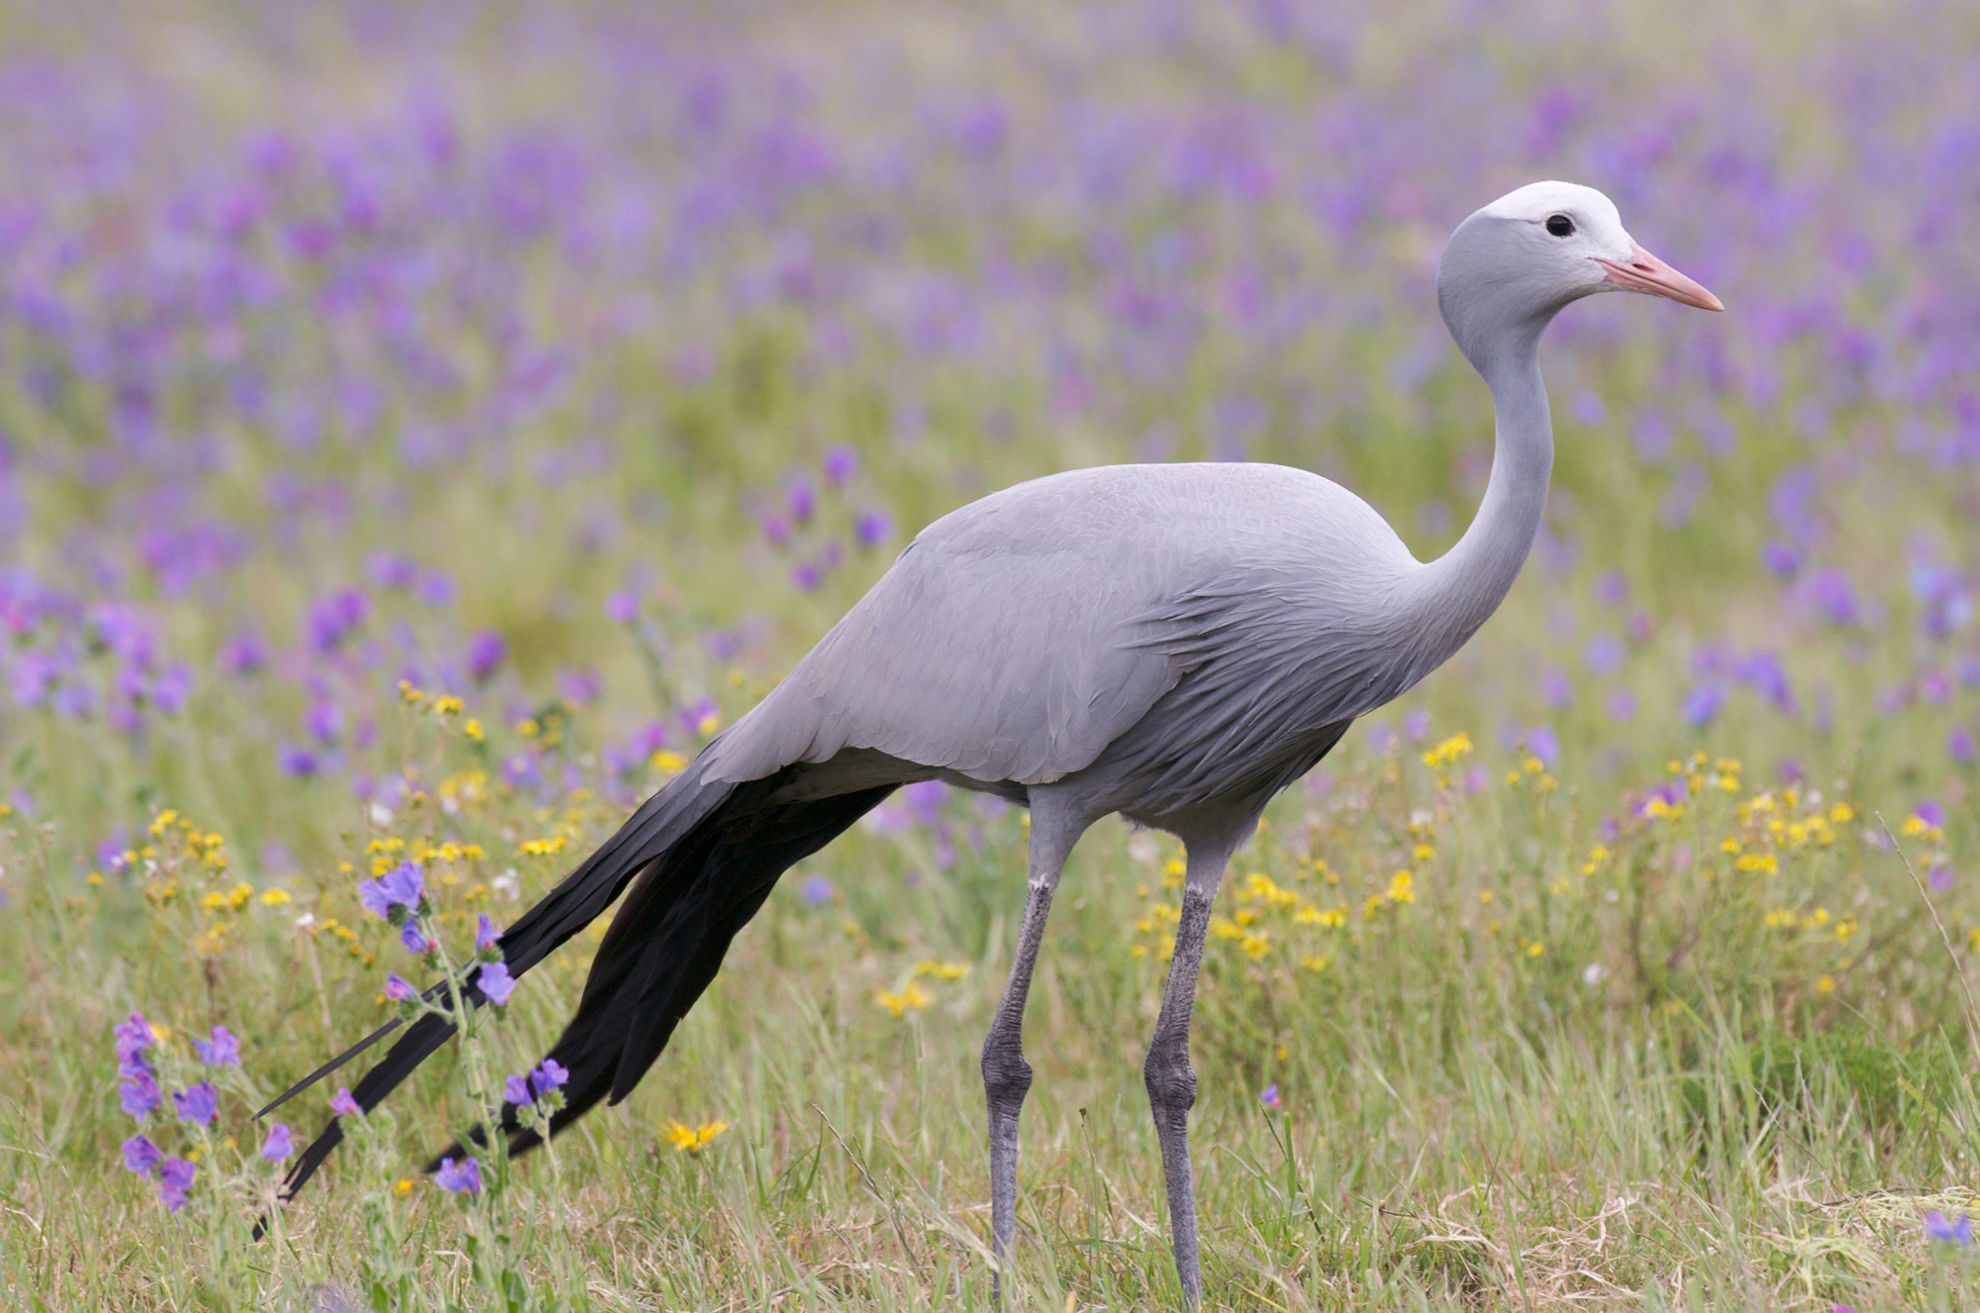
{"type": "Point", "coordinates": [1270, 1098]}
{"type": "Point", "coordinates": [405, 885]}
{"type": "Point", "coordinates": [818, 890]}
{"type": "Point", "coordinates": [343, 1105]}
{"type": "Point", "coordinates": [516, 1090]}
{"type": "Point", "coordinates": [800, 499]}
{"type": "Point", "coordinates": [622, 608]}
{"type": "Point", "coordinates": [281, 1142]}
{"type": "Point", "coordinates": [872, 528]}
{"type": "Point", "coordinates": [1604, 655]}
{"type": "Point", "coordinates": [840, 464]}
{"type": "Point", "coordinates": [415, 939]}
{"type": "Point", "coordinates": [496, 983]}
{"type": "Point", "coordinates": [297, 763]}
{"type": "Point", "coordinates": [393, 570]}
{"type": "Point", "coordinates": [437, 589]}
{"type": "Point", "coordinates": [486, 932]}
{"type": "Point", "coordinates": [550, 1074]}
{"type": "Point", "coordinates": [175, 1178]}
{"type": "Point", "coordinates": [223, 1050]}
{"type": "Point", "coordinates": [463, 1177]}
{"type": "Point", "coordinates": [1960, 746]}
{"type": "Point", "coordinates": [579, 687]}
{"type": "Point", "coordinates": [133, 1038]}
{"type": "Point", "coordinates": [171, 688]}
{"type": "Point", "coordinates": [141, 1155]}
{"type": "Point", "coordinates": [398, 988]}
{"type": "Point", "coordinates": [486, 652]}
{"type": "Point", "coordinates": [331, 621]}
{"type": "Point", "coordinates": [324, 721]}
{"type": "Point", "coordinates": [1702, 704]}
{"type": "Point", "coordinates": [140, 1095]}
{"type": "Point", "coordinates": [376, 901]}
{"type": "Point", "coordinates": [1940, 1227]}
{"type": "Point", "coordinates": [197, 1103]}
{"type": "Point", "coordinates": [243, 655]}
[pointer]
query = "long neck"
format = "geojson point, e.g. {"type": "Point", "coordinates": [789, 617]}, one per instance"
{"type": "Point", "coordinates": [1461, 588]}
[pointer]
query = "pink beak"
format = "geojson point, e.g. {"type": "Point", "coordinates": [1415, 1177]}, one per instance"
{"type": "Point", "coordinates": [1646, 273]}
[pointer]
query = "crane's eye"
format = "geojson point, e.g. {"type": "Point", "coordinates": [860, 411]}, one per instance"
{"type": "Point", "coordinates": [1560, 225]}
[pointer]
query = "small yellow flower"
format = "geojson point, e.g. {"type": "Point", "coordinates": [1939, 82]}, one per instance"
{"type": "Point", "coordinates": [1825, 985]}
{"type": "Point", "coordinates": [1401, 888]}
{"type": "Point", "coordinates": [692, 1139]}
{"type": "Point", "coordinates": [667, 762]}
{"type": "Point", "coordinates": [1535, 949]}
{"type": "Point", "coordinates": [403, 1186]}
{"type": "Point", "coordinates": [942, 970]}
{"type": "Point", "coordinates": [472, 728]}
{"type": "Point", "coordinates": [1842, 813]}
{"type": "Point", "coordinates": [911, 998]}
{"type": "Point", "coordinates": [1448, 751]}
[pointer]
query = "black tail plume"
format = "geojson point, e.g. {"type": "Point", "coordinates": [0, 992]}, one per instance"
{"type": "Point", "coordinates": [667, 942]}
{"type": "Point", "coordinates": [666, 821]}
{"type": "Point", "coordinates": [707, 854]}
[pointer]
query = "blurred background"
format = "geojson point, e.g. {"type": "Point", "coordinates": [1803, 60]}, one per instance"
{"type": "Point", "coordinates": [339, 340]}
{"type": "Point", "coordinates": [584, 362]}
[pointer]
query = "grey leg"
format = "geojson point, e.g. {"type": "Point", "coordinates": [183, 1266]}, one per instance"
{"type": "Point", "coordinates": [1006, 1075]}
{"type": "Point", "coordinates": [1007, 1078]}
{"type": "Point", "coordinates": [1171, 1081]}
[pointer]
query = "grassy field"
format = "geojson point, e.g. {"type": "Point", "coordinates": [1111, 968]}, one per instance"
{"type": "Point", "coordinates": [419, 431]}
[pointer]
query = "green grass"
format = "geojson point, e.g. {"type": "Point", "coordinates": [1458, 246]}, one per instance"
{"type": "Point", "coordinates": [1466, 1124]}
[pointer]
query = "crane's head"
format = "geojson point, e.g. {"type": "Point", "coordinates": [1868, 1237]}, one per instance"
{"type": "Point", "coordinates": [1512, 266]}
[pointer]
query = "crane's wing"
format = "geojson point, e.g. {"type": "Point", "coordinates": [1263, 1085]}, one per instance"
{"type": "Point", "coordinates": [1019, 636]}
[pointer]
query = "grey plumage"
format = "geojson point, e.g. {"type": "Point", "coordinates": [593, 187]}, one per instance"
{"type": "Point", "coordinates": [1175, 643]}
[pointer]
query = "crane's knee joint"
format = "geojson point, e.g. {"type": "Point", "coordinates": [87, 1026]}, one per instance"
{"type": "Point", "coordinates": [1171, 1080]}
{"type": "Point", "coordinates": [1006, 1075]}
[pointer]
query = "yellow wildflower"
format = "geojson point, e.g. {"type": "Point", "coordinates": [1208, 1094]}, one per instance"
{"type": "Point", "coordinates": [1448, 751]}
{"type": "Point", "coordinates": [692, 1139]}
{"type": "Point", "coordinates": [912, 998]}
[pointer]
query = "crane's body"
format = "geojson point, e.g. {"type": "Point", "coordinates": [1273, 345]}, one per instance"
{"type": "Point", "coordinates": [1148, 637]}
{"type": "Point", "coordinates": [1173, 643]}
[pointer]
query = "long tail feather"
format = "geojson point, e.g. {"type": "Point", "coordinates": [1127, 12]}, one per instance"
{"type": "Point", "coordinates": [669, 819]}
{"type": "Point", "coordinates": [664, 948]}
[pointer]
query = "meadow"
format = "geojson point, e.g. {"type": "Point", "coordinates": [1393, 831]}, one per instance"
{"type": "Point", "coordinates": [421, 428]}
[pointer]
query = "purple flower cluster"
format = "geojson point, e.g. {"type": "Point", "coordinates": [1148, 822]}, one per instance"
{"type": "Point", "coordinates": [197, 1104]}
{"type": "Point", "coordinates": [794, 527]}
{"type": "Point", "coordinates": [526, 1088]}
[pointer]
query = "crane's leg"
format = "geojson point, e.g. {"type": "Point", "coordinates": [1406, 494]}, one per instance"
{"type": "Point", "coordinates": [1171, 1081]}
{"type": "Point", "coordinates": [1006, 1075]}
